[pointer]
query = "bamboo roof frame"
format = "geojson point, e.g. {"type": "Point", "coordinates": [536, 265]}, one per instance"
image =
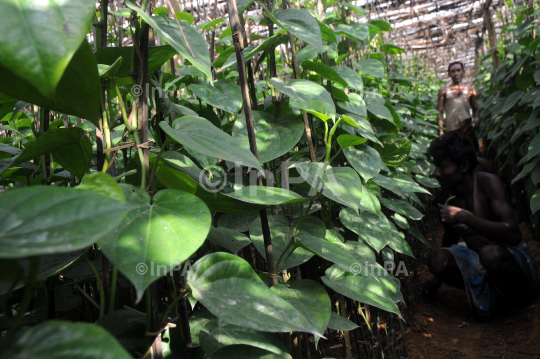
{"type": "Point", "coordinates": [439, 31]}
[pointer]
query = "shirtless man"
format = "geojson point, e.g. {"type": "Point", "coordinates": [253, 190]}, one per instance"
{"type": "Point", "coordinates": [495, 264]}
{"type": "Point", "coordinates": [457, 101]}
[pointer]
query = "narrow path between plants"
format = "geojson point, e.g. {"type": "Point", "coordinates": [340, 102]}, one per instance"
{"type": "Point", "coordinates": [440, 329]}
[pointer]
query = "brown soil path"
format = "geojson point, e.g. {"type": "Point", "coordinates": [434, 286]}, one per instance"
{"type": "Point", "coordinates": [439, 329]}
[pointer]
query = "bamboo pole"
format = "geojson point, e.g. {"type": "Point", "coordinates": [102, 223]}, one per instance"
{"type": "Point", "coordinates": [492, 36]}
{"type": "Point", "coordinates": [242, 78]}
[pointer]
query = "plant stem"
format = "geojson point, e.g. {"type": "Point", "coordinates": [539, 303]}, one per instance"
{"type": "Point", "coordinates": [242, 78]}
{"type": "Point", "coordinates": [156, 161]}
{"type": "Point", "coordinates": [27, 298]}
{"type": "Point", "coordinates": [112, 298]}
{"type": "Point", "coordinates": [100, 287]}
{"type": "Point", "coordinates": [173, 305]}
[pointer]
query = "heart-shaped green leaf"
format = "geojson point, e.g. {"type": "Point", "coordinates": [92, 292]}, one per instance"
{"type": "Point", "coordinates": [229, 288]}
{"type": "Point", "coordinates": [198, 134]}
{"type": "Point", "coordinates": [338, 322]}
{"type": "Point", "coordinates": [281, 230]}
{"type": "Point", "coordinates": [275, 136]}
{"type": "Point", "coordinates": [45, 220]}
{"type": "Point", "coordinates": [229, 239]}
{"type": "Point", "coordinates": [370, 67]}
{"type": "Point", "coordinates": [309, 298]}
{"type": "Point", "coordinates": [58, 339]}
{"type": "Point", "coordinates": [223, 94]}
{"type": "Point", "coordinates": [157, 237]}
{"type": "Point", "coordinates": [301, 24]}
{"type": "Point", "coordinates": [69, 146]}
{"type": "Point", "coordinates": [365, 160]}
{"type": "Point", "coordinates": [365, 289]}
{"type": "Point", "coordinates": [347, 140]}
{"type": "Point", "coordinates": [40, 51]}
{"type": "Point", "coordinates": [192, 46]}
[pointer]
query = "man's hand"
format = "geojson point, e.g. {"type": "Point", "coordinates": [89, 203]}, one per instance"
{"type": "Point", "coordinates": [441, 132]}
{"type": "Point", "coordinates": [476, 121]}
{"type": "Point", "coordinates": [452, 214]}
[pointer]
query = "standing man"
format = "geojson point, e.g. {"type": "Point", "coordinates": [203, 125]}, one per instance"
{"type": "Point", "coordinates": [458, 101]}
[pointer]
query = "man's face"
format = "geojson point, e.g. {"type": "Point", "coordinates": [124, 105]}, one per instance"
{"type": "Point", "coordinates": [448, 173]}
{"type": "Point", "coordinates": [456, 73]}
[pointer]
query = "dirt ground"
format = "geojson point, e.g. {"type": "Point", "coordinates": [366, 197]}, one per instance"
{"type": "Point", "coordinates": [441, 329]}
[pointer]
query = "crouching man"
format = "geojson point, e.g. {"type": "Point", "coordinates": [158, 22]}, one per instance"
{"type": "Point", "coordinates": [495, 264]}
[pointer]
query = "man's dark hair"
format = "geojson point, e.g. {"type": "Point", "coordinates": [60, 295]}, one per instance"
{"type": "Point", "coordinates": [455, 63]}
{"type": "Point", "coordinates": [454, 146]}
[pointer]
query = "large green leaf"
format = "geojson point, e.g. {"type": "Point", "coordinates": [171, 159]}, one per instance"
{"type": "Point", "coordinates": [365, 160]}
{"type": "Point", "coordinates": [70, 148]}
{"type": "Point", "coordinates": [229, 239]}
{"type": "Point", "coordinates": [46, 220]}
{"type": "Point", "coordinates": [365, 289]}
{"type": "Point", "coordinates": [333, 252]}
{"type": "Point", "coordinates": [174, 179]}
{"type": "Point", "coordinates": [341, 184]}
{"type": "Point", "coordinates": [104, 184]}
{"type": "Point", "coordinates": [374, 229]}
{"type": "Point", "coordinates": [58, 339]}
{"type": "Point", "coordinates": [157, 237]}
{"type": "Point", "coordinates": [223, 94]}
{"type": "Point", "coordinates": [356, 105]}
{"type": "Point", "coordinates": [275, 136]}
{"type": "Point", "coordinates": [281, 231]}
{"type": "Point", "coordinates": [382, 24]}
{"type": "Point", "coordinates": [392, 49]}
{"type": "Point", "coordinates": [309, 298]}
{"type": "Point", "coordinates": [395, 151]}
{"type": "Point", "coordinates": [402, 207]}
{"type": "Point", "coordinates": [242, 5]}
{"type": "Point", "coordinates": [353, 78]}
{"type": "Point", "coordinates": [43, 38]}
{"type": "Point", "coordinates": [359, 32]}
{"type": "Point", "coordinates": [76, 93]}
{"type": "Point", "coordinates": [370, 67]}
{"type": "Point", "coordinates": [270, 196]}
{"type": "Point", "coordinates": [347, 140]}
{"type": "Point", "coordinates": [378, 108]}
{"type": "Point", "coordinates": [157, 56]}
{"type": "Point", "coordinates": [195, 49]}
{"type": "Point", "coordinates": [326, 32]}
{"type": "Point", "coordinates": [198, 134]}
{"type": "Point", "coordinates": [229, 288]}
{"type": "Point", "coordinates": [301, 24]}
{"type": "Point", "coordinates": [216, 335]}
{"type": "Point", "coordinates": [13, 271]}
{"type": "Point", "coordinates": [182, 163]}
{"type": "Point", "coordinates": [324, 71]}
{"type": "Point", "coordinates": [307, 95]}
{"type": "Point", "coordinates": [511, 101]}
{"type": "Point", "coordinates": [338, 322]}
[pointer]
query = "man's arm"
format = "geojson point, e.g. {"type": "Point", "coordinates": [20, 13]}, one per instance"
{"type": "Point", "coordinates": [441, 96]}
{"type": "Point", "coordinates": [505, 231]}
{"type": "Point", "coordinates": [474, 107]}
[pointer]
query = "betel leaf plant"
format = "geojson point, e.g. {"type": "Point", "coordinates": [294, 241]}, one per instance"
{"type": "Point", "coordinates": [510, 108]}
{"type": "Point", "coordinates": [225, 198]}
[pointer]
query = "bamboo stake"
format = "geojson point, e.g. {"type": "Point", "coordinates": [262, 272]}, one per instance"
{"type": "Point", "coordinates": [238, 45]}
{"type": "Point", "coordinates": [304, 113]}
